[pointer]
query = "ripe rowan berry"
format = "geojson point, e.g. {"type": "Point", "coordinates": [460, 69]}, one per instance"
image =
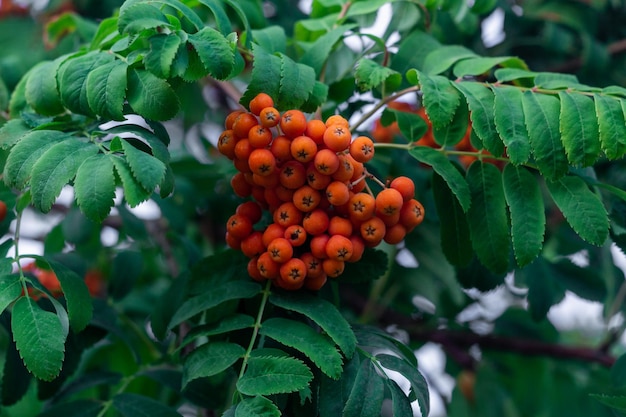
{"type": "Point", "coordinates": [259, 102]}
{"type": "Point", "coordinates": [315, 129]}
{"type": "Point", "coordinates": [287, 214]}
{"type": "Point", "coordinates": [411, 214]}
{"type": "Point", "coordinates": [253, 270]}
{"type": "Point", "coordinates": [293, 175]}
{"type": "Point", "coordinates": [362, 149]}
{"type": "Point", "coordinates": [303, 149]}
{"type": "Point", "coordinates": [281, 148]}
{"type": "Point", "coordinates": [232, 241]}
{"type": "Point", "coordinates": [284, 194]}
{"type": "Point", "coordinates": [269, 117]}
{"type": "Point", "coordinates": [373, 231]}
{"type": "Point", "coordinates": [267, 267]}
{"type": "Point", "coordinates": [243, 123]}
{"type": "Point", "coordinates": [292, 274]}
{"type": "Point", "coordinates": [316, 179]}
{"type": "Point", "coordinates": [326, 161]}
{"type": "Point", "coordinates": [333, 267]}
{"type": "Point", "coordinates": [313, 265]}
{"type": "Point", "coordinates": [226, 144]}
{"type": "Point", "coordinates": [316, 222]}
{"type": "Point", "coordinates": [337, 119]}
{"type": "Point", "coordinates": [252, 245]}
{"type": "Point", "coordinates": [271, 198]}
{"type": "Point", "coordinates": [339, 247]}
{"type": "Point", "coordinates": [306, 198]}
{"type": "Point", "coordinates": [405, 186]}
{"type": "Point", "coordinates": [251, 210]}
{"type": "Point", "coordinates": [345, 170]}
{"type": "Point", "coordinates": [318, 245]}
{"type": "Point", "coordinates": [262, 162]}
{"type": "Point", "coordinates": [296, 235]}
{"type": "Point", "coordinates": [267, 181]}
{"type": "Point", "coordinates": [242, 165]}
{"type": "Point", "coordinates": [259, 136]}
{"type": "Point", "coordinates": [239, 226]}
{"type": "Point", "coordinates": [293, 123]}
{"type": "Point", "coordinates": [339, 226]}
{"type": "Point", "coordinates": [361, 207]}
{"type": "Point", "coordinates": [240, 186]}
{"type": "Point", "coordinates": [358, 248]}
{"type": "Point", "coordinates": [395, 234]}
{"type": "Point", "coordinates": [231, 117]}
{"type": "Point", "coordinates": [243, 149]}
{"type": "Point", "coordinates": [337, 193]}
{"type": "Point", "coordinates": [337, 137]}
{"type": "Point", "coordinates": [388, 202]}
{"type": "Point", "coordinates": [271, 232]}
{"type": "Point", "coordinates": [315, 283]}
{"type": "Point", "coordinates": [280, 250]}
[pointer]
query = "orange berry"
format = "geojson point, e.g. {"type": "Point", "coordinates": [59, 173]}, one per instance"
{"type": "Point", "coordinates": [303, 149]}
{"type": "Point", "coordinates": [339, 226]}
{"type": "Point", "coordinates": [259, 102]}
{"type": "Point", "coordinates": [292, 274]}
{"type": "Point", "coordinates": [232, 241]}
{"type": "Point", "coordinates": [281, 148]}
{"type": "Point", "coordinates": [389, 202]}
{"type": "Point", "coordinates": [283, 193]}
{"type": "Point", "coordinates": [267, 181]}
{"type": "Point", "coordinates": [296, 235]}
{"type": "Point", "coordinates": [337, 193]}
{"type": "Point", "coordinates": [262, 162]}
{"type": "Point", "coordinates": [326, 161]}
{"type": "Point", "coordinates": [395, 234]}
{"type": "Point", "coordinates": [259, 136]}
{"type": "Point", "coordinates": [293, 175]}
{"type": "Point", "coordinates": [346, 169]}
{"type": "Point", "coordinates": [252, 245]}
{"type": "Point", "coordinates": [333, 267]}
{"type": "Point", "coordinates": [239, 226]}
{"type": "Point", "coordinates": [287, 214]}
{"type": "Point", "coordinates": [306, 198]}
{"type": "Point", "coordinates": [316, 179]}
{"type": "Point", "coordinates": [373, 231]}
{"type": "Point", "coordinates": [411, 214]}
{"type": "Point", "coordinates": [226, 144]}
{"type": "Point", "coordinates": [362, 149]}
{"type": "Point", "coordinates": [251, 210]}
{"type": "Point", "coordinates": [315, 129]}
{"type": "Point", "coordinates": [313, 265]}
{"type": "Point", "coordinates": [315, 283]}
{"type": "Point", "coordinates": [339, 247]}
{"type": "Point", "coordinates": [242, 165]}
{"type": "Point", "coordinates": [316, 222]}
{"type": "Point", "coordinates": [337, 137]}
{"type": "Point", "coordinates": [240, 185]}
{"type": "Point", "coordinates": [271, 232]}
{"type": "Point", "coordinates": [267, 267]}
{"type": "Point", "coordinates": [269, 117]}
{"type": "Point", "coordinates": [337, 119]}
{"type": "Point", "coordinates": [361, 207]}
{"type": "Point", "coordinates": [271, 198]}
{"type": "Point", "coordinates": [318, 245]}
{"type": "Point", "coordinates": [231, 117]}
{"type": "Point", "coordinates": [243, 149]}
{"type": "Point", "coordinates": [405, 186]}
{"type": "Point", "coordinates": [358, 248]}
{"type": "Point", "coordinates": [293, 123]}
{"type": "Point", "coordinates": [243, 123]}
{"type": "Point", "coordinates": [280, 250]}
{"type": "Point", "coordinates": [253, 270]}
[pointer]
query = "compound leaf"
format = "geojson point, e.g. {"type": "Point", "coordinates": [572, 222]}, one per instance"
{"type": "Point", "coordinates": [296, 83]}
{"type": "Point", "coordinates": [419, 387]}
{"type": "Point", "coordinates": [163, 49]}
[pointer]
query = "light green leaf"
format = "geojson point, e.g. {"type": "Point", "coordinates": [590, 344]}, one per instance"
{"type": "Point", "coordinates": [163, 49]}
{"type": "Point", "coordinates": [419, 387]}
{"type": "Point", "coordinates": [148, 170]}
{"type": "Point", "coordinates": [134, 405]}
{"type": "Point", "coordinates": [134, 192]}
{"type": "Point", "coordinates": [55, 168]}
{"type": "Point", "coordinates": [555, 80]}
{"type": "Point", "coordinates": [41, 89]}
{"type": "Point", "coordinates": [579, 129]}
{"type": "Point", "coordinates": [39, 338]}
{"type": "Point", "coordinates": [480, 100]}
{"type": "Point", "coordinates": [231, 290]}
{"type": "Point", "coordinates": [487, 216]}
{"type": "Point", "coordinates": [318, 53]}
{"type": "Point", "coordinates": [481, 65]}
{"type": "Point", "coordinates": [216, 52]}
{"type": "Point", "coordinates": [505, 75]}
{"type": "Point", "coordinates": [323, 313]}
{"type": "Point", "coordinates": [542, 123]}
{"type": "Point", "coordinates": [582, 209]}
{"type": "Point", "coordinates": [366, 396]}
{"type": "Point", "coordinates": [14, 130]}
{"type": "Point", "coordinates": [440, 99]}
{"type": "Point", "coordinates": [296, 83]}
{"type": "Point", "coordinates": [526, 209]}
{"type": "Point", "coordinates": [454, 132]}
{"type": "Point", "coordinates": [10, 289]}
{"type": "Point", "coordinates": [317, 347]}
{"type": "Point", "coordinates": [509, 120]}
{"type": "Point", "coordinates": [266, 76]}
{"type": "Point", "coordinates": [611, 125]}
{"type": "Point", "coordinates": [135, 17]}
{"type": "Point", "coordinates": [94, 186]}
{"type": "Point", "coordinates": [369, 75]}
{"type": "Point", "coordinates": [150, 96]}
{"type": "Point", "coordinates": [268, 375]}
{"type": "Point", "coordinates": [210, 359]}
{"type": "Point", "coordinates": [221, 18]}
{"type": "Point", "coordinates": [442, 166]}
{"type": "Point", "coordinates": [106, 89]}
{"type": "Point", "coordinates": [442, 58]}
{"type": "Point", "coordinates": [256, 407]}
{"type": "Point", "coordinates": [272, 38]}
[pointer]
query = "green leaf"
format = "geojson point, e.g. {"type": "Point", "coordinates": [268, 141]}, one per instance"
{"type": "Point", "coordinates": [72, 79]}
{"type": "Point", "coordinates": [148, 170]}
{"type": "Point", "coordinates": [611, 125]}
{"type": "Point", "coordinates": [444, 57]}
{"type": "Point", "coordinates": [215, 51]}
{"type": "Point", "coordinates": [39, 338]}
{"type": "Point", "coordinates": [401, 406]}
{"type": "Point", "coordinates": [126, 269]}
{"type": "Point", "coordinates": [135, 17]}
{"type": "Point", "coordinates": [41, 89]}
{"type": "Point", "coordinates": [272, 39]}
{"type": "Point", "coordinates": [372, 266]}
{"type": "Point", "coordinates": [526, 209]}
{"type": "Point", "coordinates": [10, 289]}
{"type": "Point", "coordinates": [55, 168]}
{"type": "Point", "coordinates": [256, 407]}
{"type": "Point", "coordinates": [106, 89]}
{"type": "Point", "coordinates": [509, 121]}
{"type": "Point", "coordinates": [210, 359]}
{"type": "Point", "coordinates": [442, 166]}
{"type": "Point", "coordinates": [554, 80]}
{"type": "Point", "coordinates": [163, 49]}
{"type": "Point", "coordinates": [379, 340]}
{"type": "Point", "coordinates": [366, 396]}
{"type": "Point", "coordinates": [419, 387]}
{"type": "Point", "coordinates": [157, 144]}
{"type": "Point", "coordinates": [411, 125]}
{"type": "Point", "coordinates": [480, 100]}
{"type": "Point", "coordinates": [296, 83]}
{"type": "Point", "coordinates": [269, 375]}
{"type": "Point", "coordinates": [266, 76]}
{"type": "Point", "coordinates": [579, 129]}
{"type": "Point", "coordinates": [369, 75]}
{"type": "Point", "coordinates": [317, 347]}
{"type": "Point", "coordinates": [323, 313]}
{"type": "Point", "coordinates": [14, 130]}
{"type": "Point", "coordinates": [542, 123]}
{"type": "Point", "coordinates": [76, 408]}
{"type": "Point", "coordinates": [231, 290]}
{"type": "Point", "coordinates": [94, 187]}
{"type": "Point", "coordinates": [454, 230]}
{"type": "Point", "coordinates": [134, 405]}
{"type": "Point", "coordinates": [482, 65]}
{"type": "Point", "coordinates": [505, 75]}
{"type": "Point", "coordinates": [616, 402]}
{"type": "Point", "coordinates": [317, 54]}
{"type": "Point", "coordinates": [440, 99]}
{"type": "Point", "coordinates": [150, 96]}
{"type": "Point", "coordinates": [26, 153]}
{"type": "Point", "coordinates": [134, 192]}
{"type": "Point", "coordinates": [582, 209]}
{"type": "Point", "coordinates": [487, 217]}
{"type": "Point", "coordinates": [454, 132]}
{"type": "Point", "coordinates": [544, 289]}
{"type": "Point", "coordinates": [225, 325]}
{"type": "Point", "coordinates": [221, 18]}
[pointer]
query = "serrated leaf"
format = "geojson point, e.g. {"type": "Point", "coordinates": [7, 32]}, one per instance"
{"type": "Point", "coordinates": [135, 17]}
{"type": "Point", "coordinates": [323, 313]}
{"type": "Point", "coordinates": [163, 49]}
{"type": "Point", "coordinates": [369, 74]}
{"type": "Point", "coordinates": [296, 83]}
{"type": "Point", "coordinates": [611, 126]}
{"type": "Point", "coordinates": [411, 125]}
{"type": "Point", "coordinates": [579, 129]}
{"type": "Point", "coordinates": [106, 90]}
{"type": "Point", "coordinates": [442, 166]}
{"type": "Point", "coordinates": [440, 99]}
{"type": "Point", "coordinates": [156, 144]}
{"type": "Point", "coordinates": [616, 402]}
{"type": "Point", "coordinates": [320, 50]}
{"type": "Point", "coordinates": [227, 291]}
{"type": "Point", "coordinates": [215, 51]}
{"type": "Point", "coordinates": [542, 123]}
{"type": "Point", "coordinates": [265, 76]}
{"type": "Point", "coordinates": [444, 57]}
{"type": "Point", "coordinates": [317, 347]}
{"type": "Point", "coordinates": [55, 168]}
{"type": "Point", "coordinates": [482, 65]}
{"type": "Point", "coordinates": [487, 219]}
{"type": "Point", "coordinates": [41, 89]}
{"type": "Point", "coordinates": [210, 359]}
{"type": "Point", "coordinates": [256, 407]}
{"type": "Point", "coordinates": [509, 121]}
{"type": "Point", "coordinates": [72, 79]}
{"type": "Point", "coordinates": [274, 375]}
{"type": "Point", "coordinates": [134, 405]}
{"type": "Point", "coordinates": [76, 408]}
{"type": "Point", "coordinates": [372, 266]}
{"type": "Point", "coordinates": [582, 209]}
{"type": "Point", "coordinates": [150, 96]}
{"type": "Point", "coordinates": [13, 130]}
{"type": "Point", "coordinates": [148, 170]}
{"type": "Point", "coordinates": [366, 396]}
{"type": "Point", "coordinates": [318, 96]}
{"type": "Point", "coordinates": [10, 289]}
{"type": "Point", "coordinates": [333, 394]}
{"type": "Point", "coordinates": [453, 132]}
{"type": "Point", "coordinates": [454, 230]}
{"type": "Point", "coordinates": [419, 387]}
{"type": "Point", "coordinates": [94, 187]}
{"type": "Point", "coordinates": [526, 210]}
{"type": "Point", "coordinates": [480, 100]}
{"type": "Point", "coordinates": [134, 192]}
{"type": "Point", "coordinates": [39, 338]}
{"type": "Point", "coordinates": [505, 75]}
{"type": "Point", "coordinates": [272, 38]}
{"type": "Point", "coordinates": [225, 325]}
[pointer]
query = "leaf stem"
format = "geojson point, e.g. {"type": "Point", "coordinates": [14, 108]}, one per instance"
{"type": "Point", "coordinates": [380, 104]}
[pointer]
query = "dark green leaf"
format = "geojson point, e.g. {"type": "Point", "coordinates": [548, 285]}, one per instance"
{"type": "Point", "coordinates": [76, 408]}
{"type": "Point", "coordinates": [612, 127]}
{"type": "Point", "coordinates": [366, 396]}
{"type": "Point", "coordinates": [440, 99]}
{"type": "Point", "coordinates": [372, 266]}
{"type": "Point", "coordinates": [41, 89]}
{"type": "Point", "coordinates": [134, 192]}
{"type": "Point", "coordinates": [106, 89]}
{"type": "Point", "coordinates": [505, 75]}
{"type": "Point", "coordinates": [419, 387]}
{"type": "Point", "coordinates": [379, 340]}
{"type": "Point", "coordinates": [10, 289]}
{"type": "Point", "coordinates": [225, 325]}
{"type": "Point", "coordinates": [135, 17]}
{"type": "Point", "coordinates": [150, 96]}
{"type": "Point", "coordinates": [163, 49]}
{"type": "Point", "coordinates": [210, 359]}
{"type": "Point", "coordinates": [318, 53]}
{"type": "Point", "coordinates": [14, 130]}
{"type": "Point", "coordinates": [94, 186]}
{"type": "Point", "coordinates": [618, 372]}
{"type": "Point", "coordinates": [157, 144]}
{"type": "Point", "coordinates": [256, 407]}
{"type": "Point", "coordinates": [456, 130]}
{"type": "Point", "coordinates": [444, 57]}
{"type": "Point", "coordinates": [401, 406]}
{"type": "Point", "coordinates": [509, 120]}
{"type": "Point", "coordinates": [274, 375]}
{"type": "Point", "coordinates": [148, 170]}
{"type": "Point", "coordinates": [16, 379]}
{"type": "Point", "coordinates": [215, 51]}
{"type": "Point", "coordinates": [544, 290]}
{"type": "Point", "coordinates": [369, 75]}
{"type": "Point", "coordinates": [296, 83]}
{"type": "Point", "coordinates": [266, 76]}
{"type": "Point", "coordinates": [127, 267]}
{"type": "Point", "coordinates": [579, 129]}
{"type": "Point", "coordinates": [134, 405]}
{"type": "Point", "coordinates": [616, 402]}
{"type": "Point", "coordinates": [411, 125]}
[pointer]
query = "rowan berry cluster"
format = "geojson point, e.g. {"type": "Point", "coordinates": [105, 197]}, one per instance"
{"type": "Point", "coordinates": [309, 175]}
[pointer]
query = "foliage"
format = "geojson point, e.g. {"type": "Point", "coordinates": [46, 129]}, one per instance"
{"type": "Point", "coordinates": [516, 153]}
